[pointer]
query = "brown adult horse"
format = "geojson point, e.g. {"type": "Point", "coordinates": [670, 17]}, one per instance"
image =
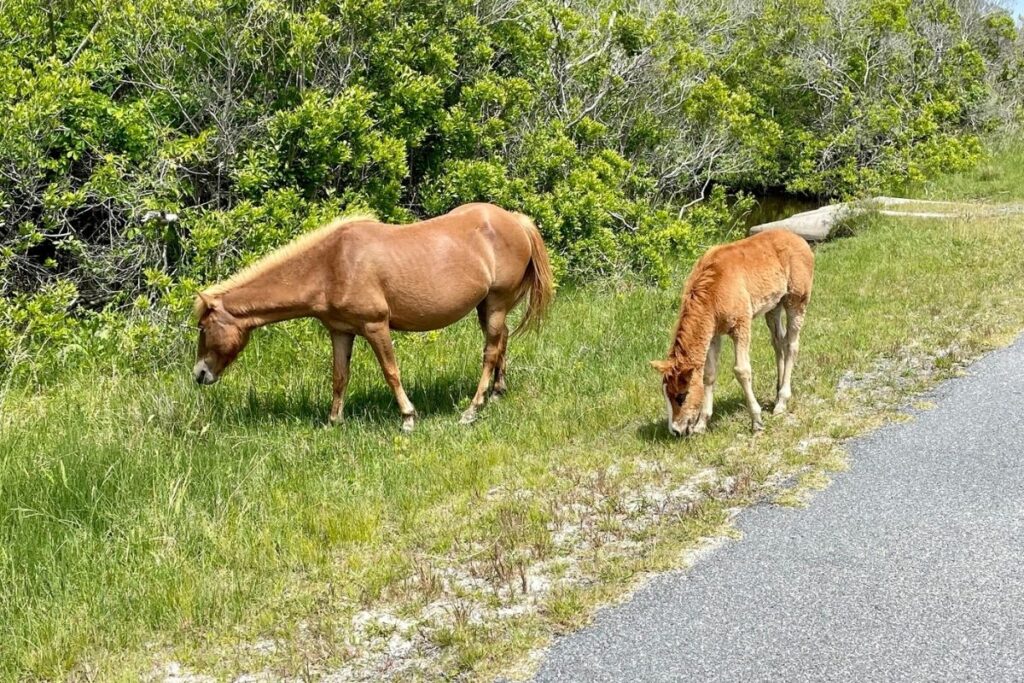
{"type": "Point", "coordinates": [361, 277]}
{"type": "Point", "coordinates": [729, 286]}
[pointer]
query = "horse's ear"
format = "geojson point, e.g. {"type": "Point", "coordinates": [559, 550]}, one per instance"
{"type": "Point", "coordinates": [210, 302]}
{"type": "Point", "coordinates": [662, 366]}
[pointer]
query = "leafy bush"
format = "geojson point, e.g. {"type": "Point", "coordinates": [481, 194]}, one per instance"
{"type": "Point", "coordinates": [254, 122]}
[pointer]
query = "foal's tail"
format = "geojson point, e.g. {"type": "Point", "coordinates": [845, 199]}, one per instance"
{"type": "Point", "coordinates": [538, 279]}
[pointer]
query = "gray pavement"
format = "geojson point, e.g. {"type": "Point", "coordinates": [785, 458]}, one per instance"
{"type": "Point", "coordinates": [909, 567]}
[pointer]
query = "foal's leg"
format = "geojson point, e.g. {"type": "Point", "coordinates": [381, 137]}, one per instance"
{"type": "Point", "coordinates": [379, 337]}
{"type": "Point", "coordinates": [342, 343]}
{"type": "Point", "coordinates": [794, 320]}
{"type": "Point", "coordinates": [710, 374]}
{"type": "Point", "coordinates": [493, 323]}
{"type": "Point", "coordinates": [744, 374]}
{"type": "Point", "coordinates": [774, 320]}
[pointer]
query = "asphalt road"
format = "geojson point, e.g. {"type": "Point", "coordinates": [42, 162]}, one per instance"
{"type": "Point", "coordinates": [909, 567]}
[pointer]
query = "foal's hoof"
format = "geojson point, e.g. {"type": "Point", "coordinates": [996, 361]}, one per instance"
{"type": "Point", "coordinates": [408, 424]}
{"type": "Point", "coordinates": [757, 426]}
{"type": "Point", "coordinates": [468, 417]}
{"type": "Point", "coordinates": [780, 406]}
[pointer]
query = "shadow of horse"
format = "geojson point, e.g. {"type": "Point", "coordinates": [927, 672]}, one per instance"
{"type": "Point", "coordinates": [657, 431]}
{"type": "Point", "coordinates": [309, 402]}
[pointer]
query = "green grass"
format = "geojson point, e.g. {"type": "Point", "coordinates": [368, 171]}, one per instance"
{"type": "Point", "coordinates": [998, 178]}
{"type": "Point", "coordinates": [143, 519]}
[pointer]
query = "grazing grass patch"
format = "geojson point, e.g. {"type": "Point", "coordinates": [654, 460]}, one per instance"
{"type": "Point", "coordinates": [144, 521]}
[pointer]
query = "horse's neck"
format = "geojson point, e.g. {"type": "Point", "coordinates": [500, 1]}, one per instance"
{"type": "Point", "coordinates": [694, 334]}
{"type": "Point", "coordinates": [283, 293]}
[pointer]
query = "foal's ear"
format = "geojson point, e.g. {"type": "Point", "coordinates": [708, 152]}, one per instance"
{"type": "Point", "coordinates": [662, 366]}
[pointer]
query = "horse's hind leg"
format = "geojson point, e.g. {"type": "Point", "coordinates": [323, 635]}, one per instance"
{"type": "Point", "coordinates": [774, 320]}
{"type": "Point", "coordinates": [499, 387]}
{"type": "Point", "coordinates": [492, 321]}
{"type": "Point", "coordinates": [794, 321]}
{"type": "Point", "coordinates": [379, 337]}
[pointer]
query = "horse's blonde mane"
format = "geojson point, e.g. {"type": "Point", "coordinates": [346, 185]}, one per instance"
{"type": "Point", "coordinates": [274, 258]}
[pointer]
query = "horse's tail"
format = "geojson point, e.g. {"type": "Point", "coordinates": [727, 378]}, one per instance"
{"type": "Point", "coordinates": [538, 278]}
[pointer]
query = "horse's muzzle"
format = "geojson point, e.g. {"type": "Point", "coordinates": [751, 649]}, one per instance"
{"type": "Point", "coordinates": [686, 427]}
{"type": "Point", "coordinates": [202, 374]}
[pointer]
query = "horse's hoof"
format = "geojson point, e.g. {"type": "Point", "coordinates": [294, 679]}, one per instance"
{"type": "Point", "coordinates": [333, 422]}
{"type": "Point", "coordinates": [758, 426]}
{"type": "Point", "coordinates": [408, 424]}
{"type": "Point", "coordinates": [779, 409]}
{"type": "Point", "coordinates": [468, 417]}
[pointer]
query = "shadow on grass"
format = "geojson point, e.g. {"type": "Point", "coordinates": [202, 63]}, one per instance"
{"type": "Point", "coordinates": [309, 403]}
{"type": "Point", "coordinates": [657, 430]}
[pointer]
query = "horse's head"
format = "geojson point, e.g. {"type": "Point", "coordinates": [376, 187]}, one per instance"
{"type": "Point", "coordinates": [684, 393]}
{"type": "Point", "coordinates": [221, 338]}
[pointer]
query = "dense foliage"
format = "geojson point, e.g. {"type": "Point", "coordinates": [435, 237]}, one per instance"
{"type": "Point", "coordinates": [619, 126]}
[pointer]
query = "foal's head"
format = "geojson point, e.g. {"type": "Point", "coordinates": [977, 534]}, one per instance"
{"type": "Point", "coordinates": [683, 385]}
{"type": "Point", "coordinates": [221, 338]}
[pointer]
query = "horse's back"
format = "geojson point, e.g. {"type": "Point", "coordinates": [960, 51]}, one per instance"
{"type": "Point", "coordinates": [764, 252]}
{"type": "Point", "coordinates": [795, 263]}
{"type": "Point", "coordinates": [469, 235]}
{"type": "Point", "coordinates": [757, 272]}
{"type": "Point", "coordinates": [796, 256]}
{"type": "Point", "coordinates": [432, 273]}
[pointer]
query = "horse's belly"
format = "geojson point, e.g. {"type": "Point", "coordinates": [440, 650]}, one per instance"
{"type": "Point", "coordinates": [433, 309]}
{"type": "Point", "coordinates": [430, 281]}
{"type": "Point", "coordinates": [764, 304]}
{"type": "Point", "coordinates": [767, 296]}
{"type": "Point", "coordinates": [422, 321]}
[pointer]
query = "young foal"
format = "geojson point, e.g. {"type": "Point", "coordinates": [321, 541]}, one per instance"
{"type": "Point", "coordinates": [730, 285]}
{"type": "Point", "coordinates": [361, 277]}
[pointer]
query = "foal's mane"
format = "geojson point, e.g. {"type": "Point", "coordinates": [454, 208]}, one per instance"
{"type": "Point", "coordinates": [274, 258]}
{"type": "Point", "coordinates": [697, 303]}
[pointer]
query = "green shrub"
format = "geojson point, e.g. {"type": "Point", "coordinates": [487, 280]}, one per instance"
{"type": "Point", "coordinates": [254, 122]}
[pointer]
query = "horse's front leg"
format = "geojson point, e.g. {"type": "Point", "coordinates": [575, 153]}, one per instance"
{"type": "Point", "coordinates": [493, 323]}
{"type": "Point", "coordinates": [710, 375]}
{"type": "Point", "coordinates": [379, 337]}
{"type": "Point", "coordinates": [744, 374]}
{"type": "Point", "coordinates": [342, 346]}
